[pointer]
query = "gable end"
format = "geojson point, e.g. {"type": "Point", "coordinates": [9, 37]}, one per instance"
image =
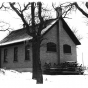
{"type": "Point", "coordinates": [70, 33]}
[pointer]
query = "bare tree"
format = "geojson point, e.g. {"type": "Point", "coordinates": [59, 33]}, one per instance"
{"type": "Point", "coordinates": [36, 41]}
{"type": "Point", "coordinates": [35, 32]}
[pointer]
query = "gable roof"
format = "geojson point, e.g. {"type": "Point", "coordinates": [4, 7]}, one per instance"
{"type": "Point", "coordinates": [70, 33]}
{"type": "Point", "coordinates": [15, 36]}
{"type": "Point", "coordinates": [21, 35]}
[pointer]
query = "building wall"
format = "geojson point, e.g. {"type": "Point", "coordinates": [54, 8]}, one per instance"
{"type": "Point", "coordinates": [21, 63]}
{"type": "Point", "coordinates": [65, 39]}
{"type": "Point", "coordinates": [46, 56]}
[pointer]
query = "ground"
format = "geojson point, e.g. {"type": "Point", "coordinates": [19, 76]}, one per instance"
{"type": "Point", "coordinates": [14, 79]}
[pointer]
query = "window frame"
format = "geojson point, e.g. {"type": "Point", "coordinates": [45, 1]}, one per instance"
{"type": "Point", "coordinates": [51, 47]}
{"type": "Point", "coordinates": [15, 54]}
{"type": "Point", "coordinates": [5, 55]}
{"type": "Point", "coordinates": [27, 52]}
{"type": "Point", "coordinates": [67, 49]}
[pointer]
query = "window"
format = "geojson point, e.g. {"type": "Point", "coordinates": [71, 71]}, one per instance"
{"type": "Point", "coordinates": [67, 48]}
{"type": "Point", "coordinates": [16, 54]}
{"type": "Point", "coordinates": [27, 52]}
{"type": "Point", "coordinates": [5, 55]}
{"type": "Point", "coordinates": [51, 47]}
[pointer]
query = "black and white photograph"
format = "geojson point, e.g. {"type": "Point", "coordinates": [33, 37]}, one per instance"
{"type": "Point", "coordinates": [44, 44]}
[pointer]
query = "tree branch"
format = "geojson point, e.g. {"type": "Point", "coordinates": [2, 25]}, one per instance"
{"type": "Point", "coordinates": [26, 25]}
{"type": "Point", "coordinates": [19, 6]}
{"type": "Point", "coordinates": [25, 7]}
{"type": "Point", "coordinates": [3, 26]}
{"type": "Point", "coordinates": [12, 6]}
{"type": "Point", "coordinates": [18, 13]}
{"type": "Point", "coordinates": [2, 6]}
{"type": "Point", "coordinates": [81, 10]}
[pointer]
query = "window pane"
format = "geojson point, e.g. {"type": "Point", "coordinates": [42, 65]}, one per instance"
{"type": "Point", "coordinates": [67, 49]}
{"type": "Point", "coordinates": [5, 55]}
{"type": "Point", "coordinates": [51, 47]}
{"type": "Point", "coordinates": [27, 52]}
{"type": "Point", "coordinates": [16, 54]}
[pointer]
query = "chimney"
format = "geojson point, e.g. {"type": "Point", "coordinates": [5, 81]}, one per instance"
{"type": "Point", "coordinates": [58, 15]}
{"type": "Point", "coordinates": [58, 12]}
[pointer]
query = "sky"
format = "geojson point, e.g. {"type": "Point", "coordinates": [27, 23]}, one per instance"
{"type": "Point", "coordinates": [77, 21]}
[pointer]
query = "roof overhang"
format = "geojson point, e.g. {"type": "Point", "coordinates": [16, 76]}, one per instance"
{"type": "Point", "coordinates": [16, 41]}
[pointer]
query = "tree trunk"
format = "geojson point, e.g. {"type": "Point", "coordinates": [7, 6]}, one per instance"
{"type": "Point", "coordinates": [37, 71]}
{"type": "Point", "coordinates": [34, 75]}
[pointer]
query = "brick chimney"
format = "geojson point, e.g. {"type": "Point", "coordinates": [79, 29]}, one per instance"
{"type": "Point", "coordinates": [59, 12]}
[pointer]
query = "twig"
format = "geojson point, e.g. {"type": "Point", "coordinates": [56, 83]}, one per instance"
{"type": "Point", "coordinates": [25, 7]}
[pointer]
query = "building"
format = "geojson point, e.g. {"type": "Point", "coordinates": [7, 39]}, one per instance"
{"type": "Point", "coordinates": [59, 46]}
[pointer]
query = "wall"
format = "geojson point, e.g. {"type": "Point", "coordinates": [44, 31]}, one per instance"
{"type": "Point", "coordinates": [52, 57]}
{"type": "Point", "coordinates": [21, 57]}
{"type": "Point", "coordinates": [65, 39]}
{"type": "Point", "coordinates": [46, 56]}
